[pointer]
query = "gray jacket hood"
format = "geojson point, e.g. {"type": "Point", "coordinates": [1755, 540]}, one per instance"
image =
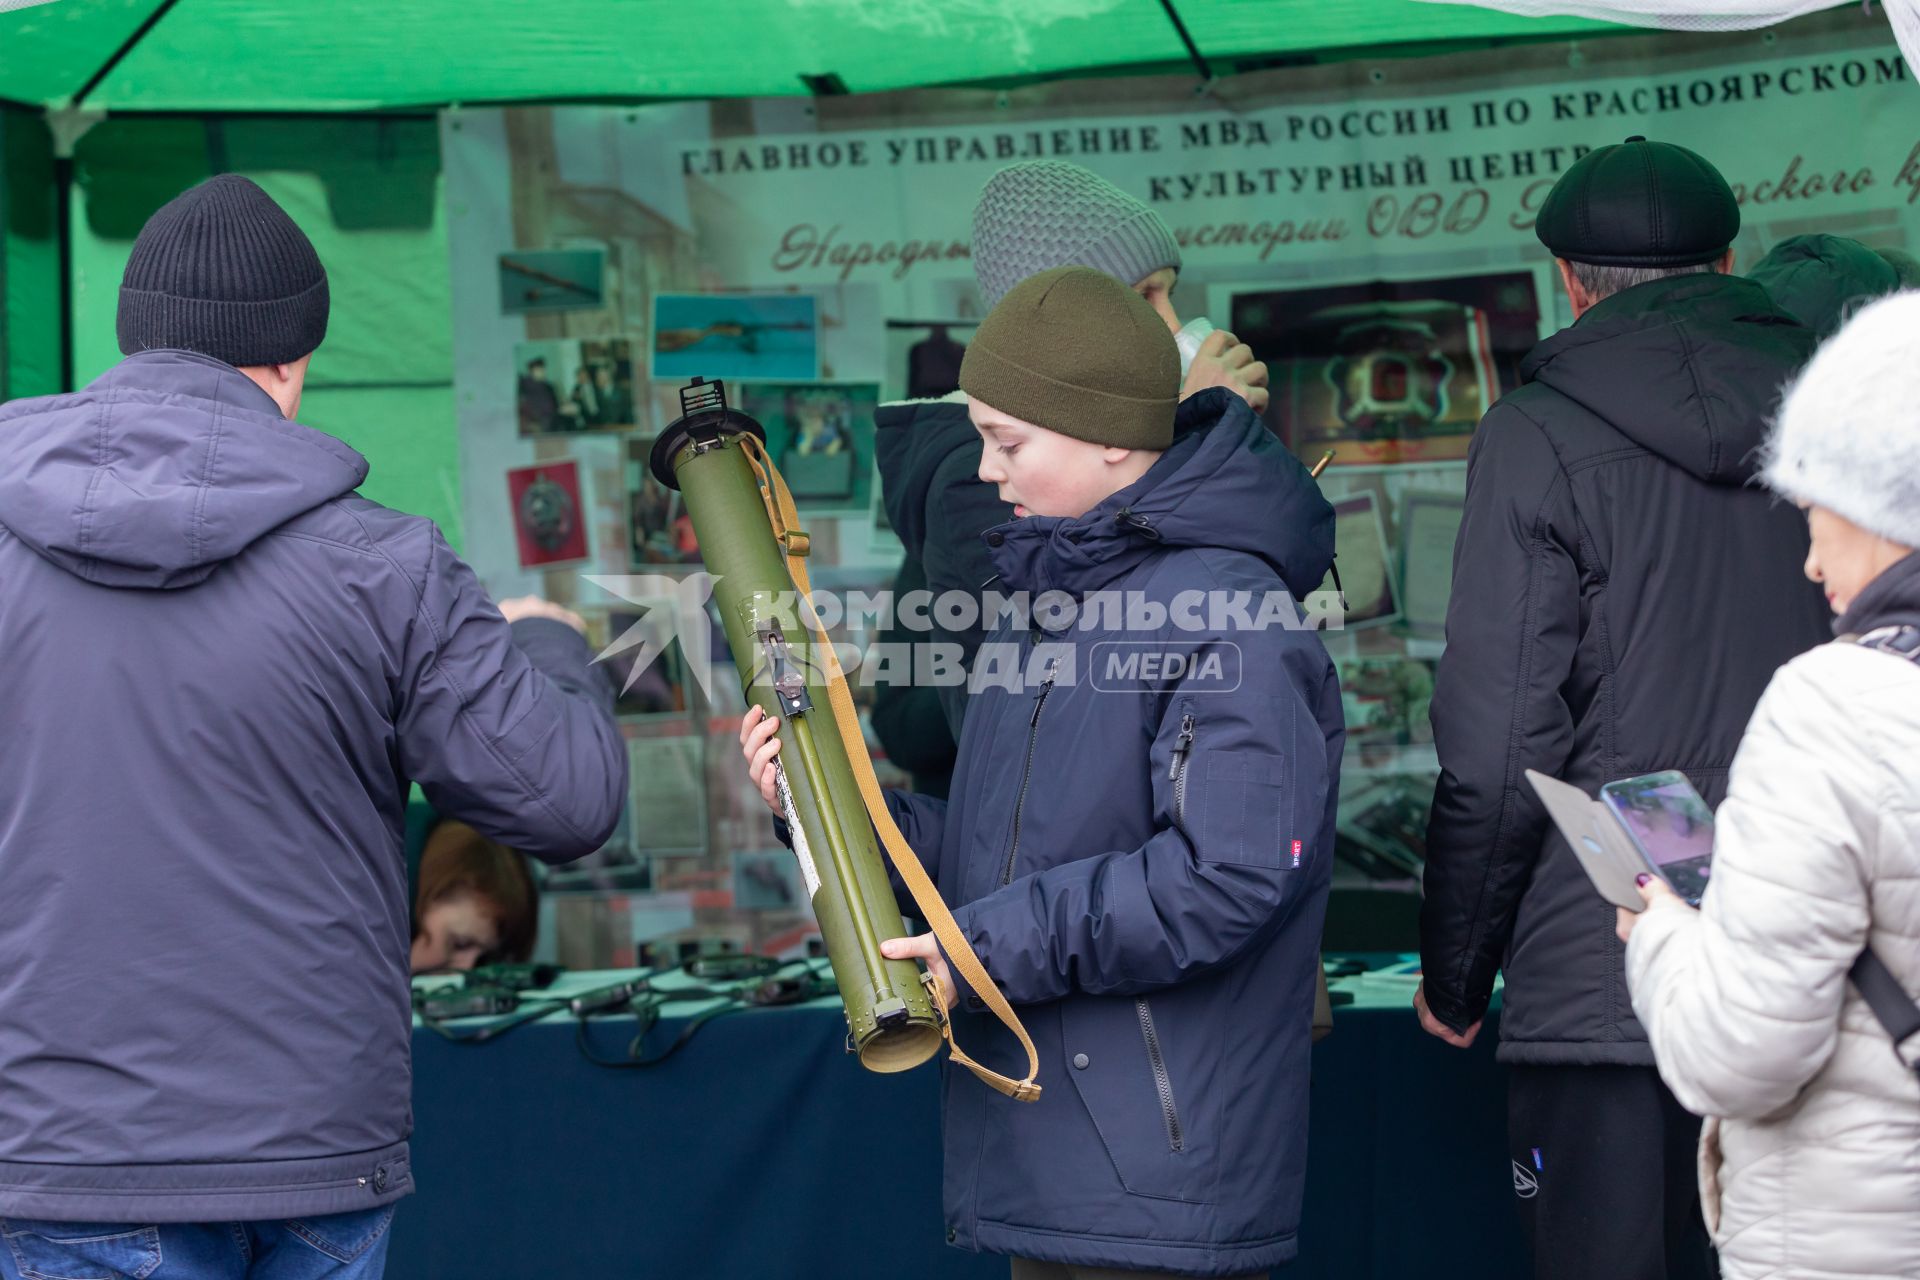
{"type": "Point", "coordinates": [168, 465]}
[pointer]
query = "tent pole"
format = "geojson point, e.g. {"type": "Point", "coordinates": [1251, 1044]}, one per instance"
{"type": "Point", "coordinates": [126, 47]}
{"type": "Point", "coordinates": [1186, 38]}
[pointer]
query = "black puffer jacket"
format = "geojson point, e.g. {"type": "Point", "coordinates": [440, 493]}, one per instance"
{"type": "Point", "coordinates": [929, 455]}
{"type": "Point", "coordinates": [1621, 596]}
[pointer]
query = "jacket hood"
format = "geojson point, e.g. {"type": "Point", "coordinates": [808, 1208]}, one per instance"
{"type": "Point", "coordinates": [912, 439]}
{"type": "Point", "coordinates": [1688, 367]}
{"type": "Point", "coordinates": [1225, 483]}
{"type": "Point", "coordinates": [165, 467]}
{"type": "Point", "coordinates": [1821, 280]}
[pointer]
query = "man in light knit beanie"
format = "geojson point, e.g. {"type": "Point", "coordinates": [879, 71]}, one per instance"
{"type": "Point", "coordinates": [1043, 214]}
{"type": "Point", "coordinates": [1171, 794]}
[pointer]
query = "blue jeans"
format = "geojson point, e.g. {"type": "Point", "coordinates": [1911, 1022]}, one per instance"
{"type": "Point", "coordinates": [342, 1246]}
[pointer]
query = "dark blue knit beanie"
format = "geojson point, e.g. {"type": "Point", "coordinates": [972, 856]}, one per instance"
{"type": "Point", "coordinates": [221, 269]}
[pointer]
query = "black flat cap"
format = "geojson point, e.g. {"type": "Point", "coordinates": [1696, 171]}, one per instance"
{"type": "Point", "coordinates": [1639, 204]}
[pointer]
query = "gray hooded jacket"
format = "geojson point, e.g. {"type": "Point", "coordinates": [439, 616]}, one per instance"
{"type": "Point", "coordinates": [224, 670]}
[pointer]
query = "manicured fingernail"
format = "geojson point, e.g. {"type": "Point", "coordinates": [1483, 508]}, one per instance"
{"type": "Point", "coordinates": [1643, 879]}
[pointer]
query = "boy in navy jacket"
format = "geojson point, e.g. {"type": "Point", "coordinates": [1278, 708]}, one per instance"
{"type": "Point", "coordinates": [1140, 828]}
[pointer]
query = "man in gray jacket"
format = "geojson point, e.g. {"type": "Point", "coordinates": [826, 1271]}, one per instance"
{"type": "Point", "coordinates": [226, 668]}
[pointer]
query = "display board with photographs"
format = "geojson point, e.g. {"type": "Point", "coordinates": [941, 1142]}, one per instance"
{"type": "Point", "coordinates": [605, 257]}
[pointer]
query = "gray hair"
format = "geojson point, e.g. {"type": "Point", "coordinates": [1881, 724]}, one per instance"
{"type": "Point", "coordinates": [1603, 282]}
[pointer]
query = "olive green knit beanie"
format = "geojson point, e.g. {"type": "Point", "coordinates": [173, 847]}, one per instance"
{"type": "Point", "coordinates": [1075, 351]}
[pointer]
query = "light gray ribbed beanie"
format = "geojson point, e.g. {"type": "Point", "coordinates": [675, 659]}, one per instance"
{"type": "Point", "coordinates": [1848, 436]}
{"type": "Point", "coordinates": [1044, 214]}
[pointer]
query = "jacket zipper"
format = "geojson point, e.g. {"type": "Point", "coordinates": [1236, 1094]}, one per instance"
{"type": "Point", "coordinates": [1161, 1083]}
{"type": "Point", "coordinates": [1177, 770]}
{"type": "Point", "coordinates": [1020, 805]}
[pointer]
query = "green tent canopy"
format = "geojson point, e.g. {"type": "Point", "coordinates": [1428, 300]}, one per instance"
{"type": "Point", "coordinates": [338, 55]}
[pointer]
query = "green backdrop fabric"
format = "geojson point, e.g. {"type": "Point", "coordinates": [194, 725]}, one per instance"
{"type": "Point", "coordinates": [367, 193]}
{"type": "Point", "coordinates": [278, 55]}
{"type": "Point", "coordinates": [29, 260]}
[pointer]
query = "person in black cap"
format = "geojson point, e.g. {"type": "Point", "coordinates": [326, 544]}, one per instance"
{"type": "Point", "coordinates": [228, 668]}
{"type": "Point", "coordinates": [1621, 596]}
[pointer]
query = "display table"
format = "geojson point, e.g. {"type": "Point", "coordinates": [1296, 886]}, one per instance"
{"type": "Point", "coordinates": [763, 1152]}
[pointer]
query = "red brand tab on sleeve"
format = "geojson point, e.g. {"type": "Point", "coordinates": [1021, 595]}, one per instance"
{"type": "Point", "coordinates": [1296, 853]}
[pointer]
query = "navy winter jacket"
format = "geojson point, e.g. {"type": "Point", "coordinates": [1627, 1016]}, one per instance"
{"type": "Point", "coordinates": [1141, 860]}
{"type": "Point", "coordinates": [224, 670]}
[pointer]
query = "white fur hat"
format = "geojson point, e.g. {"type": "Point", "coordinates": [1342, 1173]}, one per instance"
{"type": "Point", "coordinates": [1848, 437]}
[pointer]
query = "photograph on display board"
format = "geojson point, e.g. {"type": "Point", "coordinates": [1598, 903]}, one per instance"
{"type": "Point", "coordinates": [621, 637]}
{"type": "Point", "coordinates": [768, 880]}
{"type": "Point", "coordinates": [923, 357]}
{"type": "Point", "coordinates": [565, 386]}
{"type": "Point", "coordinates": [736, 335]}
{"type": "Point", "coordinates": [538, 281]}
{"type": "Point", "coordinates": [666, 784]}
{"type": "Point", "coordinates": [820, 435]}
{"type": "Point", "coordinates": [1382, 824]}
{"type": "Point", "coordinates": [659, 529]}
{"type": "Point", "coordinates": [549, 524]}
{"type": "Point", "coordinates": [1389, 372]}
{"type": "Point", "coordinates": [1386, 699]}
{"type": "Point", "coordinates": [1429, 524]}
{"type": "Point", "coordinates": [1364, 563]}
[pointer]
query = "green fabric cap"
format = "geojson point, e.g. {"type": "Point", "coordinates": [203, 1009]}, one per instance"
{"type": "Point", "coordinates": [1075, 351]}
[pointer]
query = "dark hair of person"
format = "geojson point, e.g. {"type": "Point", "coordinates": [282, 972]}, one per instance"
{"type": "Point", "coordinates": [459, 859]}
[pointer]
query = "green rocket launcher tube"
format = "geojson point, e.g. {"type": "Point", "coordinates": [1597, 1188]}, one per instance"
{"type": "Point", "coordinates": [891, 1021]}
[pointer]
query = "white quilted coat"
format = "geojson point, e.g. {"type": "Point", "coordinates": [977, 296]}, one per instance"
{"type": "Point", "coordinates": [1810, 1160]}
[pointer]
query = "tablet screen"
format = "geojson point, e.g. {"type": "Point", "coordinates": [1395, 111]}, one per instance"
{"type": "Point", "coordinates": [1670, 824]}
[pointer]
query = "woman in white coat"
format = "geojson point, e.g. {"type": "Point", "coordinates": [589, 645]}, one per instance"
{"type": "Point", "coordinates": [1810, 1159]}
